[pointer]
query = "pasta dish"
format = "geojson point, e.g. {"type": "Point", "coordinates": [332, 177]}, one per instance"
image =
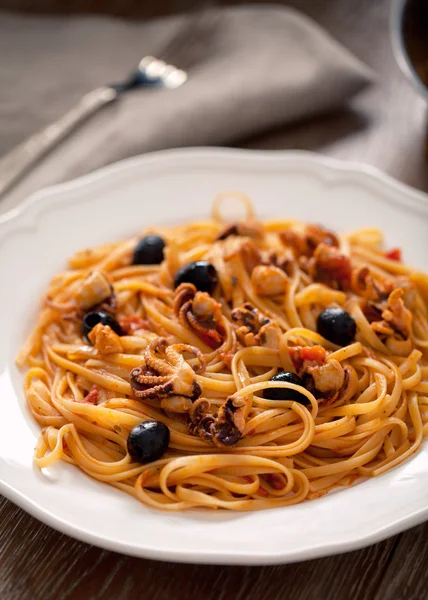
{"type": "Point", "coordinates": [240, 365]}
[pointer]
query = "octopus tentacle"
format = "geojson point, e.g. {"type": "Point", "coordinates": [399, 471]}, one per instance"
{"type": "Point", "coordinates": [174, 357]}
{"type": "Point", "coordinates": [212, 334]}
{"type": "Point", "coordinates": [157, 391]}
{"type": "Point", "coordinates": [180, 348]}
{"type": "Point", "coordinates": [159, 365]}
{"type": "Point", "coordinates": [146, 378]}
{"type": "Point", "coordinates": [183, 295]}
{"type": "Point", "coordinates": [182, 313]}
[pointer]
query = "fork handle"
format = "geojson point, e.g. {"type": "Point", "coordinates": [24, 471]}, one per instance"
{"type": "Point", "coordinates": [25, 155]}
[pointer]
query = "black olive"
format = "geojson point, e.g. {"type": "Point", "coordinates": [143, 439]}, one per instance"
{"type": "Point", "coordinates": [201, 273]}
{"type": "Point", "coordinates": [148, 441]}
{"type": "Point", "coordinates": [337, 326]}
{"type": "Point", "coordinates": [93, 318]}
{"type": "Point", "coordinates": [284, 393]}
{"type": "Point", "coordinates": [149, 250]}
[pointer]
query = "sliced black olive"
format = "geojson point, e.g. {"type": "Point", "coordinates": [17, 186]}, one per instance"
{"type": "Point", "coordinates": [93, 318]}
{"type": "Point", "coordinates": [284, 393]}
{"type": "Point", "coordinates": [149, 250]}
{"type": "Point", "coordinates": [201, 273]}
{"type": "Point", "coordinates": [148, 441]}
{"type": "Point", "coordinates": [337, 326]}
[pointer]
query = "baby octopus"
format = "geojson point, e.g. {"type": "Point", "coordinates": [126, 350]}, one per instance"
{"type": "Point", "coordinates": [372, 287]}
{"type": "Point", "coordinates": [166, 375]}
{"type": "Point", "coordinates": [255, 328]}
{"type": "Point", "coordinates": [326, 379]}
{"type": "Point", "coordinates": [396, 318]}
{"type": "Point", "coordinates": [223, 429]}
{"type": "Point", "coordinates": [386, 302]}
{"type": "Point", "coordinates": [201, 313]}
{"type": "Point", "coordinates": [305, 244]}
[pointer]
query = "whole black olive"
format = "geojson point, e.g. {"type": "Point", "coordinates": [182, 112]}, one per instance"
{"type": "Point", "coordinates": [149, 250]}
{"type": "Point", "coordinates": [148, 441]}
{"type": "Point", "coordinates": [93, 318]}
{"type": "Point", "coordinates": [201, 273]}
{"type": "Point", "coordinates": [337, 326]}
{"type": "Point", "coordinates": [284, 393]}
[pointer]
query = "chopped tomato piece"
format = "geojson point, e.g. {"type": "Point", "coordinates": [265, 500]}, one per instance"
{"type": "Point", "coordinates": [93, 396]}
{"type": "Point", "coordinates": [274, 481]}
{"type": "Point", "coordinates": [315, 353]}
{"type": "Point", "coordinates": [394, 254]}
{"type": "Point", "coordinates": [210, 337]}
{"type": "Point", "coordinates": [299, 354]}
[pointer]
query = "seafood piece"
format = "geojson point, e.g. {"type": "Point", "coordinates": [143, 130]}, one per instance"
{"type": "Point", "coordinates": [328, 377]}
{"type": "Point", "coordinates": [370, 286]}
{"type": "Point", "coordinates": [166, 373]}
{"type": "Point", "coordinates": [255, 328]}
{"type": "Point", "coordinates": [105, 340]}
{"type": "Point", "coordinates": [199, 312]}
{"type": "Point", "coordinates": [223, 429]}
{"type": "Point", "coordinates": [305, 244]}
{"type": "Point", "coordinates": [96, 290]}
{"type": "Point", "coordinates": [325, 379]}
{"type": "Point", "coordinates": [328, 265]}
{"type": "Point", "coordinates": [317, 234]}
{"type": "Point", "coordinates": [176, 404]}
{"type": "Point", "coordinates": [269, 280]}
{"type": "Point", "coordinates": [252, 256]}
{"type": "Point", "coordinates": [396, 318]}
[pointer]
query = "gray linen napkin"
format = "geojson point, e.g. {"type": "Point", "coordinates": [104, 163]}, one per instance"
{"type": "Point", "coordinates": [263, 65]}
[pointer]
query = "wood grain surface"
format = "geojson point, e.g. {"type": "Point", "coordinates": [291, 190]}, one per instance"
{"type": "Point", "coordinates": [385, 127]}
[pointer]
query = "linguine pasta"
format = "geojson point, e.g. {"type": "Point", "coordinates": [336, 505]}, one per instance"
{"type": "Point", "coordinates": [202, 364]}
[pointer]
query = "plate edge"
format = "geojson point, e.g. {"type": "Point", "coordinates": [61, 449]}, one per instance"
{"type": "Point", "coordinates": [303, 157]}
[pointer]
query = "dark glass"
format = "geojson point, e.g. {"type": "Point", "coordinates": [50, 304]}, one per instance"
{"type": "Point", "coordinates": [415, 36]}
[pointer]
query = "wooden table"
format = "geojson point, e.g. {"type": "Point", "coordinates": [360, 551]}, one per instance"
{"type": "Point", "coordinates": [385, 127]}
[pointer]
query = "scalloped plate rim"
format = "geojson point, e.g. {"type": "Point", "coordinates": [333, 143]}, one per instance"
{"type": "Point", "coordinates": [346, 167]}
{"type": "Point", "coordinates": [324, 168]}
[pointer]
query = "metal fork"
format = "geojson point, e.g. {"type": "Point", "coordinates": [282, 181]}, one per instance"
{"type": "Point", "coordinates": [150, 72]}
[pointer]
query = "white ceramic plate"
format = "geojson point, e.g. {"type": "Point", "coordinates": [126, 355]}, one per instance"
{"type": "Point", "coordinates": [167, 187]}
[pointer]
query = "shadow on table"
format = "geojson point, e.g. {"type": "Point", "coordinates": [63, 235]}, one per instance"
{"type": "Point", "coordinates": [313, 134]}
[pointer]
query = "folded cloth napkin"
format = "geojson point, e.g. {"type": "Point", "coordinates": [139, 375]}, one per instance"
{"type": "Point", "coordinates": [261, 66]}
